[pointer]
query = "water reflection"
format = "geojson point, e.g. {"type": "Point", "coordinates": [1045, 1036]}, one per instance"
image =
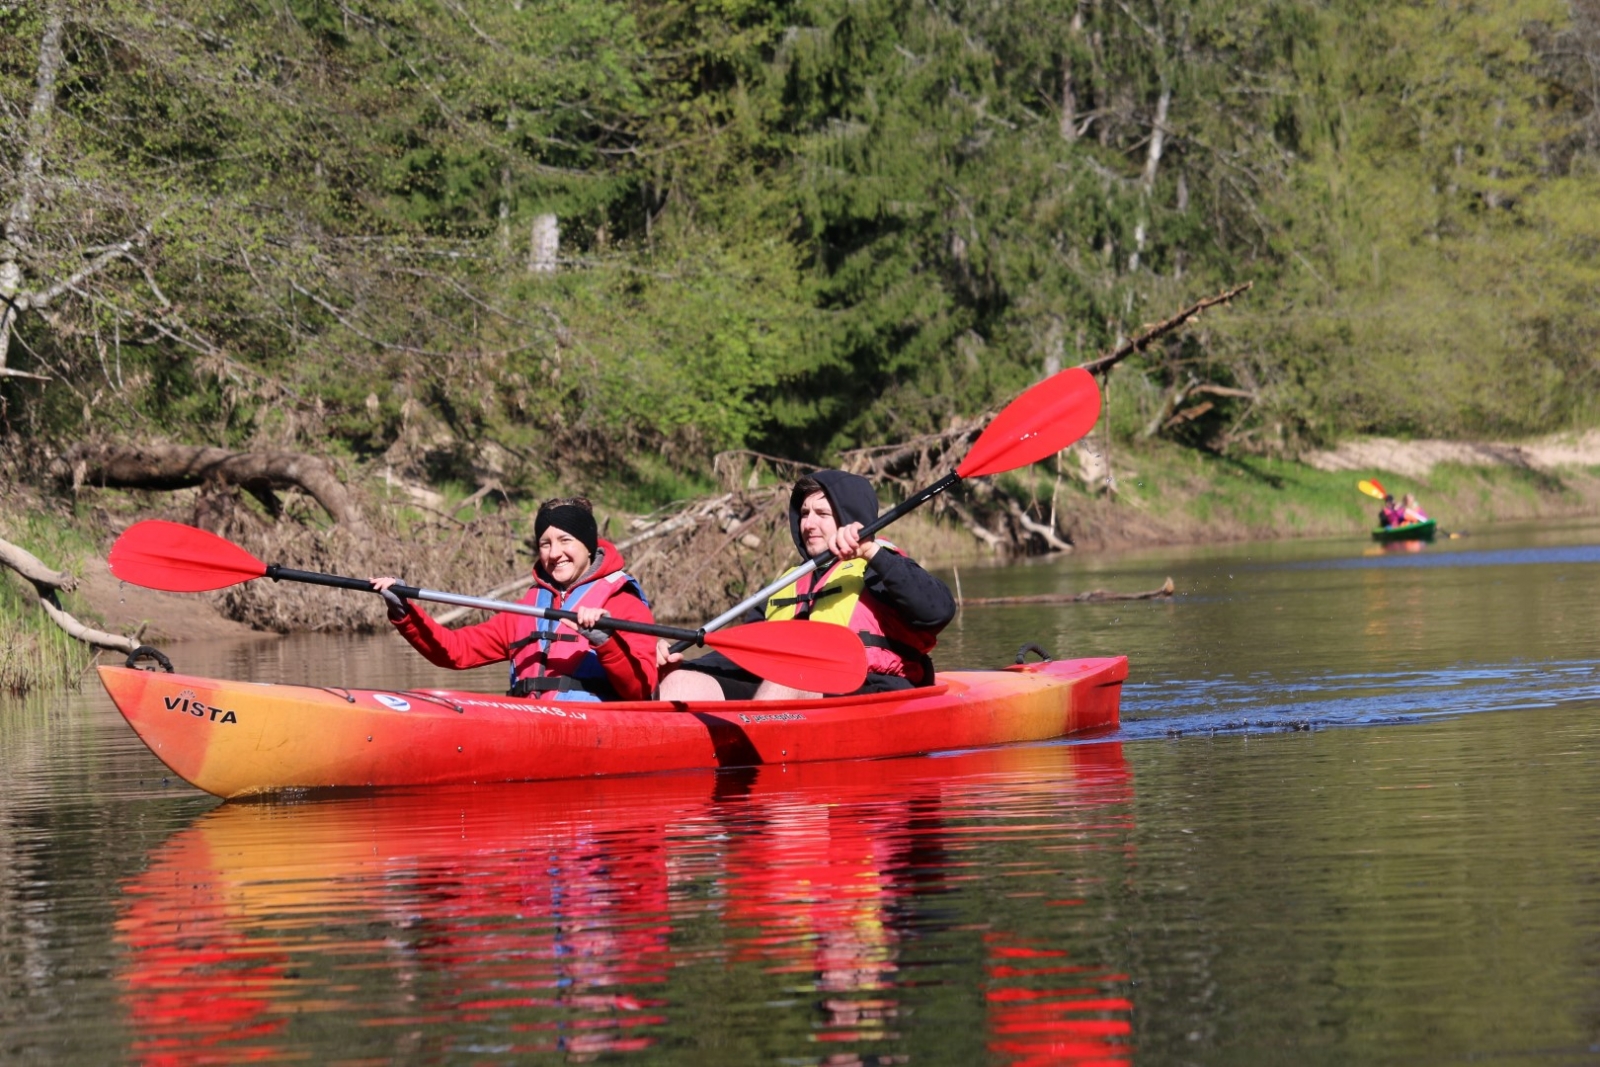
{"type": "Point", "coordinates": [616, 916]}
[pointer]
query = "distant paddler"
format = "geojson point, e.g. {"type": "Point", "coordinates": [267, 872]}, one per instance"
{"type": "Point", "coordinates": [1391, 514]}
{"type": "Point", "coordinates": [1410, 511]}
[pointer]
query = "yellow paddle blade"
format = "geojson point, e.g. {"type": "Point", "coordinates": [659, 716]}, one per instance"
{"type": "Point", "coordinates": [1371, 487]}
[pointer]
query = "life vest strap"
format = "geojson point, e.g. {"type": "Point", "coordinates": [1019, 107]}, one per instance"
{"type": "Point", "coordinates": [526, 687]}
{"type": "Point", "coordinates": [541, 635]}
{"type": "Point", "coordinates": [807, 599]}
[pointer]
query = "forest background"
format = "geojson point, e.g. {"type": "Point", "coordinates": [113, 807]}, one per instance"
{"type": "Point", "coordinates": [590, 245]}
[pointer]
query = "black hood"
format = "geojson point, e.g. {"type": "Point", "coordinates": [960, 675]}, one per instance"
{"type": "Point", "coordinates": [852, 498]}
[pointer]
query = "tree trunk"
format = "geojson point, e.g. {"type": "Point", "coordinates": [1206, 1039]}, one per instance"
{"type": "Point", "coordinates": [544, 243]}
{"type": "Point", "coordinates": [1069, 101]}
{"type": "Point", "coordinates": [29, 566]}
{"type": "Point", "coordinates": [1158, 137]}
{"type": "Point", "coordinates": [183, 466]}
{"type": "Point", "coordinates": [19, 216]}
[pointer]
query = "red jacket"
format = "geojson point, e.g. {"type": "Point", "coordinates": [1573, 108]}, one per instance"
{"type": "Point", "coordinates": [629, 659]}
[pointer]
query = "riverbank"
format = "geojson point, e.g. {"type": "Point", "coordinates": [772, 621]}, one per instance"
{"type": "Point", "coordinates": [1158, 495]}
{"type": "Point", "coordinates": [1170, 496]}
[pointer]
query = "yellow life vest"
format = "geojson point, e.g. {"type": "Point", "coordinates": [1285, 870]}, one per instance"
{"type": "Point", "coordinates": [833, 601]}
{"type": "Point", "coordinates": [840, 596]}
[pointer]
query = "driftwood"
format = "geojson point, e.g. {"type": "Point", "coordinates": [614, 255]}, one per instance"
{"type": "Point", "coordinates": [261, 474]}
{"type": "Point", "coordinates": [1094, 596]}
{"type": "Point", "coordinates": [48, 583]}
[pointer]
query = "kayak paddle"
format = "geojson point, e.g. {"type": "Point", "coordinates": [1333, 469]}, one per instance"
{"type": "Point", "coordinates": [1047, 417]}
{"type": "Point", "coordinates": [1371, 487]}
{"type": "Point", "coordinates": [815, 656]}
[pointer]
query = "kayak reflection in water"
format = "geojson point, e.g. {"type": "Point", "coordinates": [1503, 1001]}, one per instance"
{"type": "Point", "coordinates": [872, 587]}
{"type": "Point", "coordinates": [577, 572]}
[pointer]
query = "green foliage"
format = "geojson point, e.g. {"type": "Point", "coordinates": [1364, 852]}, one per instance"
{"type": "Point", "coordinates": [793, 227]}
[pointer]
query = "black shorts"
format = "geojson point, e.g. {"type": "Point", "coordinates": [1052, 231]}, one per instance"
{"type": "Point", "coordinates": [739, 684]}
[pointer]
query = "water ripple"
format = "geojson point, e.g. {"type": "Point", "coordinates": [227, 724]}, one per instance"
{"type": "Point", "coordinates": [1507, 557]}
{"type": "Point", "coordinates": [1231, 704]}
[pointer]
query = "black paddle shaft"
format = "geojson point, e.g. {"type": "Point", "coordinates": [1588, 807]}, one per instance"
{"type": "Point", "coordinates": [411, 592]}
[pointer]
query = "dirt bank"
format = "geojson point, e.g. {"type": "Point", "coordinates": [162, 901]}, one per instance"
{"type": "Point", "coordinates": [157, 617]}
{"type": "Point", "coordinates": [1417, 459]}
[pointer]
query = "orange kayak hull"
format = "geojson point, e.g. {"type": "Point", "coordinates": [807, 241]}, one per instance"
{"type": "Point", "coordinates": [236, 739]}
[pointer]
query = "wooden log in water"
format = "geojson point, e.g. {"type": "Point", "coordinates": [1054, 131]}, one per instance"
{"type": "Point", "coordinates": [1093, 596]}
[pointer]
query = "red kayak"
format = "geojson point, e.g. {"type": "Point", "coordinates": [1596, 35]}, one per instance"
{"type": "Point", "coordinates": [238, 739]}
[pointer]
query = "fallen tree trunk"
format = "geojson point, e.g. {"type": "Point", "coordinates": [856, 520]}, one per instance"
{"type": "Point", "coordinates": [47, 583]}
{"type": "Point", "coordinates": [1094, 596]}
{"type": "Point", "coordinates": [167, 467]}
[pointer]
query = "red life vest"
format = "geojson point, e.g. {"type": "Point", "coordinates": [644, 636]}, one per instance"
{"type": "Point", "coordinates": [549, 655]}
{"type": "Point", "coordinates": [840, 596]}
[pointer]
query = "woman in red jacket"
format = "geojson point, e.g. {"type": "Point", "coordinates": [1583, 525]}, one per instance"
{"type": "Point", "coordinates": [576, 572]}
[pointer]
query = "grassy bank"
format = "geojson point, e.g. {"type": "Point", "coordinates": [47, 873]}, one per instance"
{"type": "Point", "coordinates": [34, 652]}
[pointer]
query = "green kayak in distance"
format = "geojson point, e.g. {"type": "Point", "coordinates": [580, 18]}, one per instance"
{"type": "Point", "coordinates": [1411, 531]}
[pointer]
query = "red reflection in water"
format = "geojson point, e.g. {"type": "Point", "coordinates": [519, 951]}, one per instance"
{"type": "Point", "coordinates": [500, 908]}
{"type": "Point", "coordinates": [1075, 1018]}
{"type": "Point", "coordinates": [537, 918]}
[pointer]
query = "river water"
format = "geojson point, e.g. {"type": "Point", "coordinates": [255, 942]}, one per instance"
{"type": "Point", "coordinates": [1352, 816]}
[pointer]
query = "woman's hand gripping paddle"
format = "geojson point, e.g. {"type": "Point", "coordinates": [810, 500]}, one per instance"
{"type": "Point", "coordinates": [814, 656]}
{"type": "Point", "coordinates": [1046, 418]}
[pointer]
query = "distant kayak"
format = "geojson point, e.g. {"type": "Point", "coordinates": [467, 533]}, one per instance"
{"type": "Point", "coordinates": [1411, 531]}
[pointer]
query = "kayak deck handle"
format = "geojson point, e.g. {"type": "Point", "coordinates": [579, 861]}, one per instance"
{"type": "Point", "coordinates": [148, 652]}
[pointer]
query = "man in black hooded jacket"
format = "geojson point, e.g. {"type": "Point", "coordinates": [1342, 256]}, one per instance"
{"type": "Point", "coordinates": [897, 607]}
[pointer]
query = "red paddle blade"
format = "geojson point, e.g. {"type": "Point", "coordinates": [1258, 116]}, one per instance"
{"type": "Point", "coordinates": [1046, 418]}
{"type": "Point", "coordinates": [180, 559]}
{"type": "Point", "coordinates": [816, 656]}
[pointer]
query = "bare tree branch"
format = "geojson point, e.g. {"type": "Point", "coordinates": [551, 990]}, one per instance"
{"type": "Point", "coordinates": [1161, 329]}
{"type": "Point", "coordinates": [47, 582]}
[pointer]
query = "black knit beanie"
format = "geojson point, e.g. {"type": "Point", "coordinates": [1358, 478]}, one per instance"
{"type": "Point", "coordinates": [571, 516]}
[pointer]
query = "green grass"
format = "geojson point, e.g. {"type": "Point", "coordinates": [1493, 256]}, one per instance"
{"type": "Point", "coordinates": [35, 653]}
